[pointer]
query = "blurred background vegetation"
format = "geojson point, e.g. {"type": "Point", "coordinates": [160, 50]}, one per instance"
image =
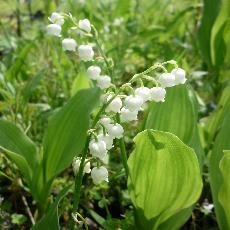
{"type": "Point", "coordinates": [36, 77]}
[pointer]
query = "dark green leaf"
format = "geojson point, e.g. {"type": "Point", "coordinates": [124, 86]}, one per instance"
{"type": "Point", "coordinates": [66, 133]}
{"type": "Point", "coordinates": [51, 219]}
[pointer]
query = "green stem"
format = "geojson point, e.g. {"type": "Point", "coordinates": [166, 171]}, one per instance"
{"type": "Point", "coordinates": [79, 176]}
{"type": "Point", "coordinates": [101, 51]}
{"type": "Point", "coordinates": [123, 150]}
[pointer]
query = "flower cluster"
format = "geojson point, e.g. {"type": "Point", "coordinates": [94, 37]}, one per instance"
{"type": "Point", "coordinates": [127, 106]}
{"type": "Point", "coordinates": [85, 52]}
{"type": "Point", "coordinates": [121, 104]}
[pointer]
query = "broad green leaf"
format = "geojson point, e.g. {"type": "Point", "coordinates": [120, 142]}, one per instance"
{"type": "Point", "coordinates": [180, 103]}
{"type": "Point", "coordinates": [164, 177]}
{"type": "Point", "coordinates": [217, 117]}
{"type": "Point", "coordinates": [51, 219]}
{"type": "Point", "coordinates": [210, 12]}
{"type": "Point", "coordinates": [221, 143]}
{"type": "Point", "coordinates": [80, 82]}
{"type": "Point", "coordinates": [224, 194]}
{"type": "Point", "coordinates": [18, 147]}
{"type": "Point", "coordinates": [66, 132]}
{"type": "Point", "coordinates": [175, 115]}
{"type": "Point", "coordinates": [177, 220]}
{"type": "Point", "coordinates": [218, 34]}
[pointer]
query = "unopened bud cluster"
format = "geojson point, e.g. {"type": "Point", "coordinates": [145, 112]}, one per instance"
{"type": "Point", "coordinates": [124, 103]}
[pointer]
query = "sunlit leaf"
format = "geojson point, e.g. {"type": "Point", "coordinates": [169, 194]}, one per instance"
{"type": "Point", "coordinates": [175, 115]}
{"type": "Point", "coordinates": [164, 177]}
{"type": "Point", "coordinates": [80, 82]}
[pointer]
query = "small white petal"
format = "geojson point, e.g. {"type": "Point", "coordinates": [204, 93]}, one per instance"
{"type": "Point", "coordinates": [167, 80]}
{"type": "Point", "coordinates": [107, 139]}
{"type": "Point", "coordinates": [85, 52]}
{"type": "Point", "coordinates": [56, 18]}
{"type": "Point", "coordinates": [69, 44]}
{"type": "Point", "coordinates": [93, 72]}
{"type": "Point", "coordinates": [105, 121]}
{"type": "Point", "coordinates": [104, 82]}
{"type": "Point", "coordinates": [180, 76]}
{"type": "Point", "coordinates": [99, 174]}
{"type": "Point", "coordinates": [133, 103]}
{"type": "Point", "coordinates": [115, 105]}
{"type": "Point", "coordinates": [85, 25]}
{"type": "Point", "coordinates": [76, 164]}
{"type": "Point", "coordinates": [157, 94]}
{"type": "Point", "coordinates": [143, 92]}
{"type": "Point", "coordinates": [115, 131]}
{"type": "Point", "coordinates": [53, 29]}
{"type": "Point", "coordinates": [98, 148]}
{"type": "Point", "coordinates": [127, 115]}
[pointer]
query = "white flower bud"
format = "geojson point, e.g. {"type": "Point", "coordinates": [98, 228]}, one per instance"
{"type": "Point", "coordinates": [98, 148]}
{"type": "Point", "coordinates": [107, 139]}
{"type": "Point", "coordinates": [167, 80]}
{"type": "Point", "coordinates": [104, 82]}
{"type": "Point", "coordinates": [85, 25]}
{"type": "Point", "coordinates": [76, 165]}
{"type": "Point", "coordinates": [143, 92]}
{"type": "Point", "coordinates": [86, 52]}
{"type": "Point", "coordinates": [179, 76]}
{"type": "Point", "coordinates": [56, 18]}
{"type": "Point", "coordinates": [93, 72]}
{"type": "Point", "coordinates": [99, 174]}
{"type": "Point", "coordinates": [105, 121]}
{"type": "Point", "coordinates": [127, 115]}
{"type": "Point", "coordinates": [115, 131]}
{"type": "Point", "coordinates": [69, 44]}
{"type": "Point", "coordinates": [133, 103]}
{"type": "Point", "coordinates": [53, 29]}
{"type": "Point", "coordinates": [115, 105]}
{"type": "Point", "coordinates": [157, 94]}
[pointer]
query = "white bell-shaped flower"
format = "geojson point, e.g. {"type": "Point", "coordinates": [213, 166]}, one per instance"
{"type": "Point", "coordinates": [133, 103]}
{"type": "Point", "coordinates": [157, 94]}
{"type": "Point", "coordinates": [105, 160]}
{"type": "Point", "coordinates": [115, 131]}
{"type": "Point", "coordinates": [127, 115]}
{"type": "Point", "coordinates": [53, 29]}
{"type": "Point", "coordinates": [105, 121]}
{"type": "Point", "coordinates": [107, 139]}
{"type": "Point", "coordinates": [104, 82]}
{"type": "Point", "coordinates": [93, 72]}
{"type": "Point", "coordinates": [85, 52]}
{"type": "Point", "coordinates": [57, 18]}
{"type": "Point", "coordinates": [76, 165]}
{"type": "Point", "coordinates": [99, 174]}
{"type": "Point", "coordinates": [85, 25]}
{"type": "Point", "coordinates": [143, 92]}
{"type": "Point", "coordinates": [115, 105]}
{"type": "Point", "coordinates": [180, 76]}
{"type": "Point", "coordinates": [167, 80]}
{"type": "Point", "coordinates": [69, 44]}
{"type": "Point", "coordinates": [98, 148]}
